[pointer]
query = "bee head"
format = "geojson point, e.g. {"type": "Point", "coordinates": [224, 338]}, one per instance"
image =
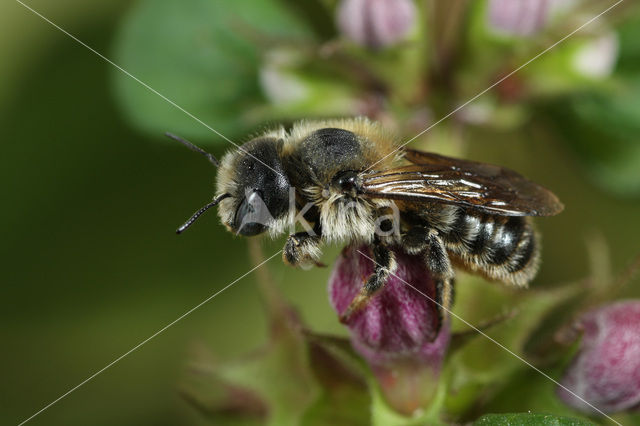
{"type": "Point", "coordinates": [254, 177]}
{"type": "Point", "coordinates": [252, 186]}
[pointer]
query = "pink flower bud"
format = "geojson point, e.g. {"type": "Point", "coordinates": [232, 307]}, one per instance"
{"type": "Point", "coordinates": [397, 331]}
{"type": "Point", "coordinates": [375, 23]}
{"type": "Point", "coordinates": [606, 370]}
{"type": "Point", "coordinates": [518, 17]}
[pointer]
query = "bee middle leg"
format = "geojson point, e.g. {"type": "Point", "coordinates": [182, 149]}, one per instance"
{"type": "Point", "coordinates": [385, 265]}
{"type": "Point", "coordinates": [426, 240]}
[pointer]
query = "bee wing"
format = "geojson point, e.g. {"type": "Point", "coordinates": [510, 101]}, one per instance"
{"type": "Point", "coordinates": [480, 186]}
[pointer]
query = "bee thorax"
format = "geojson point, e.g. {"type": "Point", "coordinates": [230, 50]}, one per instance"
{"type": "Point", "coordinates": [347, 219]}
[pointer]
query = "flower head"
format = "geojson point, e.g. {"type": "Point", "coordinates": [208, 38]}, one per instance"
{"type": "Point", "coordinates": [375, 23]}
{"type": "Point", "coordinates": [606, 370]}
{"type": "Point", "coordinates": [397, 332]}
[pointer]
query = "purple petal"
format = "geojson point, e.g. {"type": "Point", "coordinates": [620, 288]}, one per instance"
{"type": "Point", "coordinates": [398, 321]}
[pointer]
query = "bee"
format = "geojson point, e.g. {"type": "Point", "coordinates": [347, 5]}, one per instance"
{"type": "Point", "coordinates": [348, 181]}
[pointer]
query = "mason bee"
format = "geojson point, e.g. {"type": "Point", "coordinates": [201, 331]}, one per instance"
{"type": "Point", "coordinates": [337, 180]}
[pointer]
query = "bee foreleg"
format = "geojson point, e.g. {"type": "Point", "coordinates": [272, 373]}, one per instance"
{"type": "Point", "coordinates": [439, 265]}
{"type": "Point", "coordinates": [385, 265]}
{"type": "Point", "coordinates": [302, 250]}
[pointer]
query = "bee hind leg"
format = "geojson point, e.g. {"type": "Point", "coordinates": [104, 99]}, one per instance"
{"type": "Point", "coordinates": [439, 265]}
{"type": "Point", "coordinates": [385, 265]}
{"type": "Point", "coordinates": [421, 239]}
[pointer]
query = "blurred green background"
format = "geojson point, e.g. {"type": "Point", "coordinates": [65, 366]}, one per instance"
{"type": "Point", "coordinates": [91, 265]}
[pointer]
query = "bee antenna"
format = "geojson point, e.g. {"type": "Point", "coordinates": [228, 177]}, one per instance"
{"type": "Point", "coordinates": [197, 214]}
{"type": "Point", "coordinates": [195, 148]}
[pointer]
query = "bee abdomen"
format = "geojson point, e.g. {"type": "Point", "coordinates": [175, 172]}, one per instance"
{"type": "Point", "coordinates": [504, 243]}
{"type": "Point", "coordinates": [525, 254]}
{"type": "Point", "coordinates": [504, 248]}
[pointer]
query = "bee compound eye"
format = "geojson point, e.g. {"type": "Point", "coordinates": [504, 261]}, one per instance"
{"type": "Point", "coordinates": [252, 215]}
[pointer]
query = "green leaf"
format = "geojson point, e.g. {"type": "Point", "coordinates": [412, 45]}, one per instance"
{"type": "Point", "coordinates": [629, 37]}
{"type": "Point", "coordinates": [279, 374]}
{"type": "Point", "coordinates": [218, 400]}
{"type": "Point", "coordinates": [602, 124]}
{"type": "Point", "coordinates": [603, 130]}
{"type": "Point", "coordinates": [274, 383]}
{"type": "Point", "coordinates": [378, 411]}
{"type": "Point", "coordinates": [344, 398]}
{"type": "Point", "coordinates": [317, 15]}
{"type": "Point", "coordinates": [526, 419]}
{"type": "Point", "coordinates": [482, 366]}
{"type": "Point", "coordinates": [204, 56]}
{"type": "Point", "coordinates": [530, 391]}
{"type": "Point", "coordinates": [298, 86]}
